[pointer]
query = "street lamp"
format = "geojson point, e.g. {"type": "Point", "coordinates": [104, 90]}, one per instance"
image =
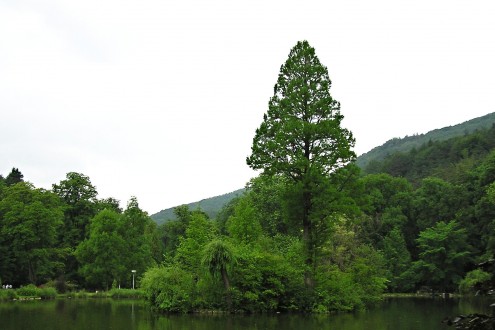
{"type": "Point", "coordinates": [133, 272]}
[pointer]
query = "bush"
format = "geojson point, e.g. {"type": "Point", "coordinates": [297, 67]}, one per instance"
{"type": "Point", "coordinates": [47, 293]}
{"type": "Point", "coordinates": [8, 294]}
{"type": "Point", "coordinates": [266, 282]}
{"type": "Point", "coordinates": [474, 281]}
{"type": "Point", "coordinates": [169, 289]}
{"type": "Point", "coordinates": [29, 290]}
{"type": "Point", "coordinates": [336, 291]}
{"type": "Point", "coordinates": [32, 291]}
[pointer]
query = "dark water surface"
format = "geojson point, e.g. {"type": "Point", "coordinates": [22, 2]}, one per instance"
{"type": "Point", "coordinates": [96, 314]}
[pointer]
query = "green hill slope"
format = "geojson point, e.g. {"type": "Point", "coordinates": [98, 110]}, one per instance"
{"type": "Point", "coordinates": [410, 142]}
{"type": "Point", "coordinates": [210, 206]}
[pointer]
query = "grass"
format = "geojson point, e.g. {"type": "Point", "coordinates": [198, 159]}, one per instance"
{"type": "Point", "coordinates": [28, 292]}
{"type": "Point", "coordinates": [32, 292]}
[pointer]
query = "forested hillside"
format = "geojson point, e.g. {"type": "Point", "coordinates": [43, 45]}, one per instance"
{"type": "Point", "coordinates": [409, 142]}
{"type": "Point", "coordinates": [449, 159]}
{"type": "Point", "coordinates": [211, 206]}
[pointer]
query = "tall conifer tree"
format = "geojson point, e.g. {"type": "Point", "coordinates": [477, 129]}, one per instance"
{"type": "Point", "coordinates": [301, 137]}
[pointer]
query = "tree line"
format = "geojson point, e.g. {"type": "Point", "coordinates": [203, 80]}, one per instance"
{"type": "Point", "coordinates": [69, 237]}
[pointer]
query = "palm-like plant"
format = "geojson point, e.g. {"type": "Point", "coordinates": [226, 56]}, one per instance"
{"type": "Point", "coordinates": [217, 257]}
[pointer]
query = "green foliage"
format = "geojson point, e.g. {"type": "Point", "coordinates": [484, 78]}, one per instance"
{"type": "Point", "coordinates": [443, 255]}
{"type": "Point", "coordinates": [211, 206]}
{"type": "Point", "coordinates": [8, 295]}
{"type": "Point", "coordinates": [30, 219]}
{"type": "Point", "coordinates": [301, 129]}
{"type": "Point", "coordinates": [267, 281]}
{"type": "Point", "coordinates": [32, 291]}
{"type": "Point", "coordinates": [100, 255]}
{"type": "Point", "coordinates": [109, 203]}
{"type": "Point", "coordinates": [350, 275]}
{"type": "Point", "coordinates": [356, 287]}
{"type": "Point", "coordinates": [266, 193]}
{"type": "Point", "coordinates": [169, 289]}
{"type": "Point", "coordinates": [15, 176]}
{"type": "Point", "coordinates": [79, 196]}
{"type": "Point", "coordinates": [28, 291]}
{"type": "Point", "coordinates": [126, 293]}
{"type": "Point", "coordinates": [336, 291]}
{"type": "Point", "coordinates": [301, 139]}
{"type": "Point", "coordinates": [117, 244]}
{"type": "Point", "coordinates": [199, 232]}
{"type": "Point", "coordinates": [244, 225]}
{"type": "Point", "coordinates": [409, 143]}
{"type": "Point", "coordinates": [449, 159]}
{"type": "Point", "coordinates": [218, 255]}
{"type": "Point", "coordinates": [224, 214]}
{"type": "Point", "coordinates": [435, 200]}
{"type": "Point", "coordinates": [397, 261]}
{"type": "Point", "coordinates": [474, 281]}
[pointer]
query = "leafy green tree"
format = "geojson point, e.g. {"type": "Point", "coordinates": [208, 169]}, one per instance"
{"type": "Point", "coordinates": [102, 255]}
{"type": "Point", "coordinates": [444, 254]}
{"type": "Point", "coordinates": [79, 196]}
{"type": "Point", "coordinates": [435, 200]}
{"type": "Point", "coordinates": [136, 228]}
{"type": "Point", "coordinates": [109, 203]}
{"type": "Point", "coordinates": [199, 232]}
{"type": "Point", "coordinates": [224, 214]}
{"type": "Point", "coordinates": [384, 191]}
{"type": "Point", "coordinates": [267, 194]}
{"type": "Point", "coordinates": [29, 220]}
{"type": "Point", "coordinates": [480, 218]}
{"type": "Point", "coordinates": [397, 261]}
{"type": "Point", "coordinates": [301, 135]}
{"type": "Point", "coordinates": [15, 176]}
{"type": "Point", "coordinates": [244, 225]}
{"type": "Point", "coordinates": [174, 229]}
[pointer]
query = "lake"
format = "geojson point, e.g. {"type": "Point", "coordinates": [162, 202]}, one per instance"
{"type": "Point", "coordinates": [96, 314]}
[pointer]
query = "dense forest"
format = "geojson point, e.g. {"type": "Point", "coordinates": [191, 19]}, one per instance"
{"type": "Point", "coordinates": [313, 232]}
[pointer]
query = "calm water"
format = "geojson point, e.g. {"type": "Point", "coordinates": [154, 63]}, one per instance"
{"type": "Point", "coordinates": [96, 314]}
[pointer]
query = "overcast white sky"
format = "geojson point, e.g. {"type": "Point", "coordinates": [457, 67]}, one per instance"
{"type": "Point", "coordinates": [161, 99]}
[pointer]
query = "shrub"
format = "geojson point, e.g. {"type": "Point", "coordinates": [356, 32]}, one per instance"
{"type": "Point", "coordinates": [169, 289]}
{"type": "Point", "coordinates": [8, 294]}
{"type": "Point", "coordinates": [336, 291]}
{"type": "Point", "coordinates": [47, 293]}
{"type": "Point", "coordinates": [29, 290]}
{"type": "Point", "coordinates": [474, 281]}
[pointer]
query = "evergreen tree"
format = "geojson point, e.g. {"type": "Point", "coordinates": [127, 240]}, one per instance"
{"type": "Point", "coordinates": [301, 137]}
{"type": "Point", "coordinates": [15, 176]}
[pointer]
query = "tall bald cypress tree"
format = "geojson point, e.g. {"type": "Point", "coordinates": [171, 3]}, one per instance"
{"type": "Point", "coordinates": [301, 138]}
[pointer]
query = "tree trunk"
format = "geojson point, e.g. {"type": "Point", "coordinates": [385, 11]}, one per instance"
{"type": "Point", "coordinates": [308, 240]}
{"type": "Point", "coordinates": [226, 284]}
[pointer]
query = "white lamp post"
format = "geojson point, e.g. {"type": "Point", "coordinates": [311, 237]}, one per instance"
{"type": "Point", "coordinates": [133, 272]}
